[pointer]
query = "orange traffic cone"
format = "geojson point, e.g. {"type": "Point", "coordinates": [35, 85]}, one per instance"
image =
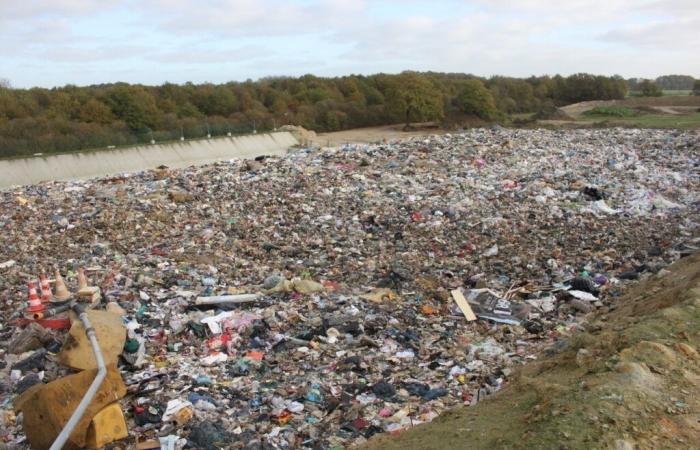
{"type": "Point", "coordinates": [82, 279]}
{"type": "Point", "coordinates": [62, 293]}
{"type": "Point", "coordinates": [46, 294]}
{"type": "Point", "coordinates": [35, 304]}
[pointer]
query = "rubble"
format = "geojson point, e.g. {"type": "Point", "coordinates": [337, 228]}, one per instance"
{"type": "Point", "coordinates": [304, 136]}
{"type": "Point", "coordinates": [332, 274]}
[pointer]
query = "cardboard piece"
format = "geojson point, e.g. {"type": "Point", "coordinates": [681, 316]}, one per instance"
{"type": "Point", "coordinates": [107, 426]}
{"type": "Point", "coordinates": [47, 407]}
{"type": "Point", "coordinates": [90, 294]}
{"type": "Point", "coordinates": [111, 334]}
{"type": "Point", "coordinates": [147, 445]}
{"type": "Point", "coordinates": [463, 305]}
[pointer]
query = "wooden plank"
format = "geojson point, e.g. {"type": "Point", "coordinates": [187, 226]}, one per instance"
{"type": "Point", "coordinates": [463, 305]}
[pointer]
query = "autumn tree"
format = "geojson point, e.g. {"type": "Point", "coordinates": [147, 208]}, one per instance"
{"type": "Point", "coordinates": [134, 105]}
{"type": "Point", "coordinates": [95, 111]}
{"type": "Point", "coordinates": [73, 117]}
{"type": "Point", "coordinates": [414, 98]}
{"type": "Point", "coordinates": [648, 88]}
{"type": "Point", "coordinates": [475, 99]}
{"type": "Point", "coordinates": [675, 82]}
{"type": "Point", "coordinates": [513, 95]}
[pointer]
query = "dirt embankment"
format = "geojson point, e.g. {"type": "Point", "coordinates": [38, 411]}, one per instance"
{"type": "Point", "coordinates": [667, 104]}
{"type": "Point", "coordinates": [631, 381]}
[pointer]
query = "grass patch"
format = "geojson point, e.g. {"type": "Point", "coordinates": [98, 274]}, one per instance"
{"type": "Point", "coordinates": [666, 93]}
{"type": "Point", "coordinates": [684, 121]}
{"type": "Point", "coordinates": [521, 116]}
{"type": "Point", "coordinates": [677, 93]}
{"type": "Point", "coordinates": [611, 111]}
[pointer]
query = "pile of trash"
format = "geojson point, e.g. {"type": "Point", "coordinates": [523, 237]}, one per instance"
{"type": "Point", "coordinates": [317, 299]}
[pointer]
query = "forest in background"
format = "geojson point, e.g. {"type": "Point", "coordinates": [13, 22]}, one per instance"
{"type": "Point", "coordinates": [69, 118]}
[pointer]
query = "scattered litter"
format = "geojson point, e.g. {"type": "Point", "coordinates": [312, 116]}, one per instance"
{"type": "Point", "coordinates": [316, 299]}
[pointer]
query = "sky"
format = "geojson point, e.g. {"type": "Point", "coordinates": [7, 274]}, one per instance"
{"type": "Point", "coordinates": [56, 42]}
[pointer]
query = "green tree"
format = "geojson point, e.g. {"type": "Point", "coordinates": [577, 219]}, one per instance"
{"type": "Point", "coordinates": [414, 98]}
{"type": "Point", "coordinates": [475, 99]}
{"type": "Point", "coordinates": [215, 100]}
{"type": "Point", "coordinates": [73, 117]}
{"type": "Point", "coordinates": [95, 111]}
{"type": "Point", "coordinates": [513, 95]}
{"type": "Point", "coordinates": [696, 87]}
{"type": "Point", "coordinates": [63, 105]}
{"type": "Point", "coordinates": [648, 88]}
{"type": "Point", "coordinates": [675, 82]}
{"type": "Point", "coordinates": [134, 105]}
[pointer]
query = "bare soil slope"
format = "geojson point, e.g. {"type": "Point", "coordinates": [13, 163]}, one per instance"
{"type": "Point", "coordinates": [668, 104]}
{"type": "Point", "coordinates": [632, 381]}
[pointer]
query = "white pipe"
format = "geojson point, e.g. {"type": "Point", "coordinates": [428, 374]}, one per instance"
{"type": "Point", "coordinates": [226, 299]}
{"type": "Point", "coordinates": [92, 390]}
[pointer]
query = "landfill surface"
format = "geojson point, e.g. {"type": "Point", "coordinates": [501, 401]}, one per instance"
{"type": "Point", "coordinates": [359, 256]}
{"type": "Point", "coordinates": [630, 381]}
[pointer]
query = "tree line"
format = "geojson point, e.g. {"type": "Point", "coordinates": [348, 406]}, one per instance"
{"type": "Point", "coordinates": [662, 83]}
{"type": "Point", "coordinates": [72, 118]}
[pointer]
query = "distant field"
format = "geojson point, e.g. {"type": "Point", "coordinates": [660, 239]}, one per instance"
{"type": "Point", "coordinates": [671, 111]}
{"type": "Point", "coordinates": [521, 116]}
{"type": "Point", "coordinates": [690, 102]}
{"type": "Point", "coordinates": [684, 121]}
{"type": "Point", "coordinates": [667, 93]}
{"type": "Point", "coordinates": [672, 93]}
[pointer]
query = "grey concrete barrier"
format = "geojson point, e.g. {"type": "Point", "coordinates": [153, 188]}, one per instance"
{"type": "Point", "coordinates": [74, 166]}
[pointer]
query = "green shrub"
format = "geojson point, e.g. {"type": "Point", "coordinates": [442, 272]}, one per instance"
{"type": "Point", "coordinates": [611, 111]}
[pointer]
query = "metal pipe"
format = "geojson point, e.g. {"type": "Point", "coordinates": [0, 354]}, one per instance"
{"type": "Point", "coordinates": [226, 299]}
{"type": "Point", "coordinates": [50, 312]}
{"type": "Point", "coordinates": [92, 390]}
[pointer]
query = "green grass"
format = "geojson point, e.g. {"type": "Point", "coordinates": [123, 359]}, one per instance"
{"type": "Point", "coordinates": [611, 111]}
{"type": "Point", "coordinates": [522, 116]}
{"type": "Point", "coordinates": [677, 93]}
{"type": "Point", "coordinates": [661, 121]}
{"type": "Point", "coordinates": [634, 117]}
{"type": "Point", "coordinates": [666, 93]}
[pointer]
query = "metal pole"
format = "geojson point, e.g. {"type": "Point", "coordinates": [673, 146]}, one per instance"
{"type": "Point", "coordinates": [50, 312]}
{"type": "Point", "coordinates": [92, 390]}
{"type": "Point", "coordinates": [224, 299]}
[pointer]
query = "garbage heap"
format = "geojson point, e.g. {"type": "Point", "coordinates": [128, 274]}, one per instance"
{"type": "Point", "coordinates": [317, 299]}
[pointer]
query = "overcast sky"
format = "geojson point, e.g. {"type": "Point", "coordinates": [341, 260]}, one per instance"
{"type": "Point", "coordinates": [56, 42]}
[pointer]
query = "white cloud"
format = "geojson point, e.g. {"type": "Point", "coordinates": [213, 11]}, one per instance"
{"type": "Point", "coordinates": [252, 18]}
{"type": "Point", "coordinates": [197, 55]}
{"type": "Point", "coordinates": [153, 39]}
{"type": "Point", "coordinates": [32, 9]}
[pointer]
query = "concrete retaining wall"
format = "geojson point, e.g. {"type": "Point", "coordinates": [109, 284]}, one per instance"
{"type": "Point", "coordinates": [133, 159]}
